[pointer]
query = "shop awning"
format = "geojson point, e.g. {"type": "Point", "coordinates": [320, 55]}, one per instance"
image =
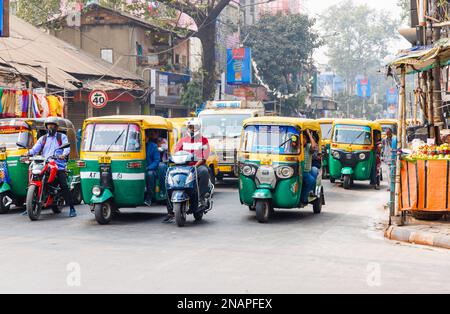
{"type": "Point", "coordinates": [421, 59]}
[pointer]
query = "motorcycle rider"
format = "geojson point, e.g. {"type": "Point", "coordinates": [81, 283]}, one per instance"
{"type": "Point", "coordinates": [197, 145]}
{"type": "Point", "coordinates": [46, 147]}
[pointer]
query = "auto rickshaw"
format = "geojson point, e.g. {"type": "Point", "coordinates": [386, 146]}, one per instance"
{"type": "Point", "coordinates": [17, 136]}
{"type": "Point", "coordinates": [327, 126]}
{"type": "Point", "coordinates": [392, 124]}
{"type": "Point", "coordinates": [113, 163]}
{"type": "Point", "coordinates": [355, 152]}
{"type": "Point", "coordinates": [271, 163]}
{"type": "Point", "coordinates": [179, 130]}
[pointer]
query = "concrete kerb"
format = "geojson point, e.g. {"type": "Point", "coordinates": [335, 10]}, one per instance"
{"type": "Point", "coordinates": [404, 234]}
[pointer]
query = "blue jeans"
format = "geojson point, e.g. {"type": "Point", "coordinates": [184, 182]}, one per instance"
{"type": "Point", "coordinates": [309, 182]}
{"type": "Point", "coordinates": [162, 172]}
{"type": "Point", "coordinates": [150, 179]}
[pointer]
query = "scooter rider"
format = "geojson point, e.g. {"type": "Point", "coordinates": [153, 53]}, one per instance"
{"type": "Point", "coordinates": [197, 145]}
{"type": "Point", "coordinates": [46, 147]}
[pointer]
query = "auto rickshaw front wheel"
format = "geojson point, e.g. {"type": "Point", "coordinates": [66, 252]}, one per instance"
{"type": "Point", "coordinates": [263, 211]}
{"type": "Point", "coordinates": [347, 182]}
{"type": "Point", "coordinates": [103, 213]}
{"type": "Point", "coordinates": [4, 206]}
{"type": "Point", "coordinates": [77, 195]}
{"type": "Point", "coordinates": [318, 203]}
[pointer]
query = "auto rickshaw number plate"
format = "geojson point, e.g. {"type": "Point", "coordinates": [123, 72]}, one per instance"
{"type": "Point", "coordinates": [104, 160]}
{"type": "Point", "coordinates": [2, 156]}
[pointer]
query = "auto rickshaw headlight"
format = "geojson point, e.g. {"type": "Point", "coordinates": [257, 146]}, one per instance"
{"type": "Point", "coordinates": [336, 155]}
{"type": "Point", "coordinates": [285, 172]}
{"type": "Point", "coordinates": [248, 171]}
{"type": "Point", "coordinates": [96, 191]}
{"type": "Point", "coordinates": [362, 156]}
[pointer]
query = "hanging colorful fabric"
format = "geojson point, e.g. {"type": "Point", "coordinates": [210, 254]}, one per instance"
{"type": "Point", "coordinates": [1, 103]}
{"type": "Point", "coordinates": [25, 101]}
{"type": "Point", "coordinates": [18, 104]}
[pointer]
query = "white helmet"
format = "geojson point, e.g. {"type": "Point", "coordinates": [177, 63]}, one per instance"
{"type": "Point", "coordinates": [196, 124]}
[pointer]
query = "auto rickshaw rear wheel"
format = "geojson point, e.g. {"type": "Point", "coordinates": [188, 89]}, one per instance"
{"type": "Point", "coordinates": [263, 211]}
{"type": "Point", "coordinates": [3, 201]}
{"type": "Point", "coordinates": [332, 180]}
{"type": "Point", "coordinates": [57, 209]}
{"type": "Point", "coordinates": [104, 213]}
{"type": "Point", "coordinates": [347, 182]}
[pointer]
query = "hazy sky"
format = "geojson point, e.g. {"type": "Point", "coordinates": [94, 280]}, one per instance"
{"type": "Point", "coordinates": [315, 7]}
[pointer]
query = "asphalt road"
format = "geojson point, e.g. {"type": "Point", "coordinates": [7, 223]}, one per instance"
{"type": "Point", "coordinates": [341, 250]}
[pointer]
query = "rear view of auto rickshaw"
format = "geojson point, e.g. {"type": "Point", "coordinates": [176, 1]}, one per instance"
{"type": "Point", "coordinates": [114, 163]}
{"type": "Point", "coordinates": [388, 124]}
{"type": "Point", "coordinates": [272, 165]}
{"type": "Point", "coordinates": [355, 152]}
{"type": "Point", "coordinates": [17, 136]}
{"type": "Point", "coordinates": [327, 126]}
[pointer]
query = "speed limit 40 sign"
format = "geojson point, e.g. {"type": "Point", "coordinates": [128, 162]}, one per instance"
{"type": "Point", "coordinates": [98, 99]}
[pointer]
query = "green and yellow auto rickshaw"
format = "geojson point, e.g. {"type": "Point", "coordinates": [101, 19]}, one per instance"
{"type": "Point", "coordinates": [113, 163]}
{"type": "Point", "coordinates": [17, 136]}
{"type": "Point", "coordinates": [355, 149]}
{"type": "Point", "coordinates": [271, 163]}
{"type": "Point", "coordinates": [326, 124]}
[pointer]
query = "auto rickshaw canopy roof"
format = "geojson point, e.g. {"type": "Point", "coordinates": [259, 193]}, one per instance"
{"type": "Point", "coordinates": [146, 122]}
{"type": "Point", "coordinates": [179, 121]}
{"type": "Point", "coordinates": [372, 124]}
{"type": "Point", "coordinates": [303, 124]}
{"type": "Point", "coordinates": [387, 121]}
{"type": "Point", "coordinates": [326, 120]}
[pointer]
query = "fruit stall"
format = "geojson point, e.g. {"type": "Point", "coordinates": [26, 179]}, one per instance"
{"type": "Point", "coordinates": [425, 182]}
{"type": "Point", "coordinates": [422, 174]}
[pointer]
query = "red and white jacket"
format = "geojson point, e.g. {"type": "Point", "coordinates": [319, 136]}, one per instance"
{"type": "Point", "coordinates": [198, 146]}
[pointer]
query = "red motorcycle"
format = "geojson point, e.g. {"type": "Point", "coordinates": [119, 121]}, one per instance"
{"type": "Point", "coordinates": [43, 190]}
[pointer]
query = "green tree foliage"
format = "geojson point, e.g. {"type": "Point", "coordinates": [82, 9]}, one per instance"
{"type": "Point", "coordinates": [359, 46]}
{"type": "Point", "coordinates": [192, 95]}
{"type": "Point", "coordinates": [282, 47]}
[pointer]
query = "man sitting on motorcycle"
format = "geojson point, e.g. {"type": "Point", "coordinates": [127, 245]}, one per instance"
{"type": "Point", "coordinates": [198, 146]}
{"type": "Point", "coordinates": [47, 146]}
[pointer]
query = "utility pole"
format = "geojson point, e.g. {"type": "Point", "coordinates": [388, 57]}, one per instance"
{"type": "Point", "coordinates": [437, 88]}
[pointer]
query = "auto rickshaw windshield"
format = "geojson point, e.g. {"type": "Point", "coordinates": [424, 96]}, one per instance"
{"type": "Point", "coordinates": [352, 134]}
{"type": "Point", "coordinates": [112, 137]}
{"type": "Point", "coordinates": [326, 131]}
{"type": "Point", "coordinates": [271, 139]}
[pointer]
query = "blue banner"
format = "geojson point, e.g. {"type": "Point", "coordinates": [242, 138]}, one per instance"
{"type": "Point", "coordinates": [392, 96]}
{"type": "Point", "coordinates": [239, 66]}
{"type": "Point", "coordinates": [1, 18]}
{"type": "Point", "coordinates": [364, 88]}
